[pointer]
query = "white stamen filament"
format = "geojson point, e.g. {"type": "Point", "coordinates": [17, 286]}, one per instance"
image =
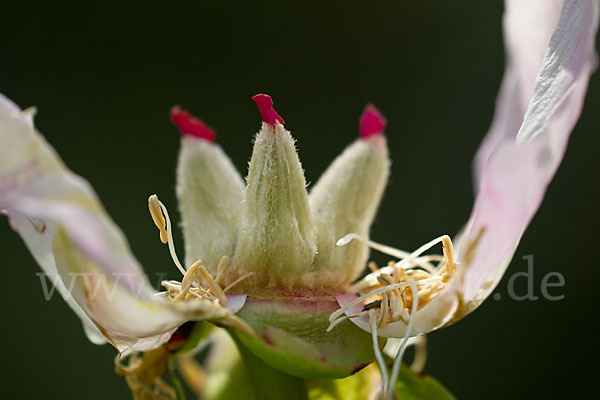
{"type": "Point", "coordinates": [201, 296]}
{"type": "Point", "coordinates": [343, 318]}
{"type": "Point", "coordinates": [171, 285]}
{"type": "Point", "coordinates": [424, 248]}
{"type": "Point", "coordinates": [371, 278]}
{"type": "Point", "coordinates": [214, 291]}
{"type": "Point", "coordinates": [420, 345]}
{"type": "Point", "coordinates": [402, 349]}
{"type": "Point", "coordinates": [377, 351]}
{"type": "Point", "coordinates": [383, 313]}
{"type": "Point", "coordinates": [178, 286]}
{"type": "Point", "coordinates": [170, 242]}
{"type": "Point", "coordinates": [390, 251]}
{"type": "Point", "coordinates": [423, 262]}
{"type": "Point", "coordinates": [238, 280]}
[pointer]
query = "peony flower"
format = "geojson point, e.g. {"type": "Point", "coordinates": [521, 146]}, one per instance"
{"type": "Point", "coordinates": [264, 247]}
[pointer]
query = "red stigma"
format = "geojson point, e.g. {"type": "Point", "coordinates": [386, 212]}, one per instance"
{"type": "Point", "coordinates": [190, 125]}
{"type": "Point", "coordinates": [372, 122]}
{"type": "Point", "coordinates": [265, 106]}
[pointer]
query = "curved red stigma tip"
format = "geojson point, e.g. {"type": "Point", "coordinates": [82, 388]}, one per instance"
{"type": "Point", "coordinates": [191, 126]}
{"type": "Point", "coordinates": [265, 106]}
{"type": "Point", "coordinates": [372, 122]}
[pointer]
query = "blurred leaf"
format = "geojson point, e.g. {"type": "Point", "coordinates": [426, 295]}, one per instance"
{"type": "Point", "coordinates": [359, 386]}
{"type": "Point", "coordinates": [364, 384]}
{"type": "Point", "coordinates": [415, 386]}
{"type": "Point", "coordinates": [270, 383]}
{"type": "Point", "coordinates": [231, 384]}
{"type": "Point", "coordinates": [233, 372]}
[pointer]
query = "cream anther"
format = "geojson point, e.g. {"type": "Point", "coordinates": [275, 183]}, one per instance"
{"type": "Point", "coordinates": [212, 285]}
{"type": "Point", "coordinates": [157, 217]}
{"type": "Point", "coordinates": [161, 219]}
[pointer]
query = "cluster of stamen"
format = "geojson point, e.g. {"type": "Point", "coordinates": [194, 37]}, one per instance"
{"type": "Point", "coordinates": [387, 289]}
{"type": "Point", "coordinates": [197, 282]}
{"type": "Point", "coordinates": [396, 292]}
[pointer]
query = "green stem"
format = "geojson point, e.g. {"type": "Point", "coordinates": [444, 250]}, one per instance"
{"type": "Point", "coordinates": [270, 383]}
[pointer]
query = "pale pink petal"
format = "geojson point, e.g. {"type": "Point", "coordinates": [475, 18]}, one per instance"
{"type": "Point", "coordinates": [235, 302]}
{"type": "Point", "coordinates": [528, 27]}
{"type": "Point", "coordinates": [514, 180]}
{"type": "Point", "coordinates": [127, 345]}
{"type": "Point", "coordinates": [570, 58]}
{"type": "Point", "coordinates": [40, 246]}
{"type": "Point", "coordinates": [75, 242]}
{"type": "Point", "coordinates": [36, 233]}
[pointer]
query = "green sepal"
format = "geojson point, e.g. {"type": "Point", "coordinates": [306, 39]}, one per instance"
{"type": "Point", "coordinates": [292, 337]}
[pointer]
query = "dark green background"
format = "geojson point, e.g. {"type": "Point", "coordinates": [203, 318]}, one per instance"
{"type": "Point", "coordinates": [103, 77]}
